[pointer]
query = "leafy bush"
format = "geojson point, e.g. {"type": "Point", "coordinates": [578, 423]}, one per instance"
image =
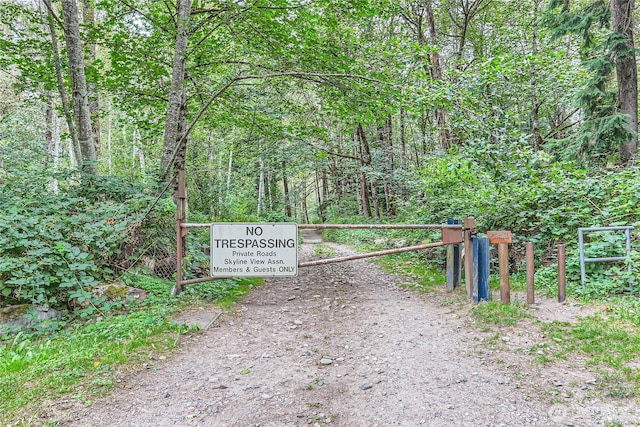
{"type": "Point", "coordinates": [54, 247]}
{"type": "Point", "coordinates": [541, 201]}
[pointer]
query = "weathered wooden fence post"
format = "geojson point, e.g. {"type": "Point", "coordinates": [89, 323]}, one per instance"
{"type": "Point", "coordinates": [503, 262]}
{"type": "Point", "coordinates": [469, 225]}
{"type": "Point", "coordinates": [503, 239]}
{"type": "Point", "coordinates": [530, 274]}
{"type": "Point", "coordinates": [561, 273]}
{"type": "Point", "coordinates": [453, 263]}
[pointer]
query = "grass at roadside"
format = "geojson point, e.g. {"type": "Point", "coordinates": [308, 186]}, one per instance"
{"type": "Point", "coordinates": [608, 341]}
{"type": "Point", "coordinates": [84, 359]}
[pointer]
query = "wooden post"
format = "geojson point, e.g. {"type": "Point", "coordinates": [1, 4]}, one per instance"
{"type": "Point", "coordinates": [469, 224]}
{"type": "Point", "coordinates": [453, 258]}
{"type": "Point", "coordinates": [561, 273]}
{"type": "Point", "coordinates": [530, 274]}
{"type": "Point", "coordinates": [502, 238]}
{"type": "Point", "coordinates": [503, 262]}
{"type": "Point", "coordinates": [449, 264]}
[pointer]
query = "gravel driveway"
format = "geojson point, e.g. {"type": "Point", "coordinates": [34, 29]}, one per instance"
{"type": "Point", "coordinates": [344, 345]}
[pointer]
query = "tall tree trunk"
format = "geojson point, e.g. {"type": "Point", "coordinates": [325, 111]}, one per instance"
{"type": "Point", "coordinates": [336, 170]}
{"type": "Point", "coordinates": [172, 140]}
{"type": "Point", "coordinates": [466, 10]}
{"type": "Point", "coordinates": [389, 195]}
{"type": "Point", "coordinates": [305, 210]}
{"type": "Point", "coordinates": [424, 121]}
{"type": "Point", "coordinates": [79, 86]}
{"type": "Point", "coordinates": [364, 155]}
{"type": "Point", "coordinates": [56, 151]}
{"type": "Point", "coordinates": [319, 198]}
{"type": "Point", "coordinates": [627, 73]}
{"type": "Point", "coordinates": [66, 108]}
{"type": "Point", "coordinates": [109, 156]}
{"type": "Point", "coordinates": [375, 199]}
{"type": "Point", "coordinates": [89, 19]}
{"type": "Point", "coordinates": [220, 175]}
{"type": "Point", "coordinates": [52, 139]}
{"type": "Point", "coordinates": [436, 74]}
{"type": "Point", "coordinates": [261, 186]}
{"type": "Point", "coordinates": [325, 186]}
{"type": "Point", "coordinates": [269, 178]}
{"type": "Point", "coordinates": [48, 131]}
{"type": "Point", "coordinates": [285, 189]}
{"type": "Point", "coordinates": [403, 141]}
{"type": "Point", "coordinates": [229, 173]}
{"type": "Point", "coordinates": [535, 120]}
{"type": "Point", "coordinates": [137, 152]}
{"type": "Point", "coordinates": [336, 178]}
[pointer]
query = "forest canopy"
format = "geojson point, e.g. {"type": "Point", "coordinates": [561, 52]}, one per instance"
{"type": "Point", "coordinates": [520, 113]}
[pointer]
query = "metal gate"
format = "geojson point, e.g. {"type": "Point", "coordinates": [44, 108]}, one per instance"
{"type": "Point", "coordinates": [451, 234]}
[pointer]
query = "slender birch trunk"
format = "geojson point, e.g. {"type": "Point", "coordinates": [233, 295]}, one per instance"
{"type": "Point", "coordinates": [172, 140]}
{"type": "Point", "coordinates": [79, 86]}
{"type": "Point", "coordinates": [66, 108]}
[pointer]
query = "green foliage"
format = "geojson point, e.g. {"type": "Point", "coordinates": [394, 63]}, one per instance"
{"type": "Point", "coordinates": [540, 201]}
{"type": "Point", "coordinates": [83, 358]}
{"type": "Point", "coordinates": [223, 292]}
{"type": "Point", "coordinates": [55, 247]}
{"type": "Point", "coordinates": [585, 21]}
{"type": "Point", "coordinates": [603, 129]}
{"type": "Point", "coordinates": [87, 357]}
{"type": "Point", "coordinates": [611, 342]}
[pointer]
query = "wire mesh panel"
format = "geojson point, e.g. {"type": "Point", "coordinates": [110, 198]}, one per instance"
{"type": "Point", "coordinates": [150, 247]}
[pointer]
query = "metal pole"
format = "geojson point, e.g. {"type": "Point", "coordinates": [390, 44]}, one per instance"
{"type": "Point", "coordinates": [180, 199]}
{"type": "Point", "coordinates": [483, 269]}
{"type": "Point", "coordinates": [561, 273]}
{"type": "Point", "coordinates": [475, 293]}
{"type": "Point", "coordinates": [469, 224]}
{"type": "Point", "coordinates": [371, 254]}
{"type": "Point", "coordinates": [530, 274]}
{"type": "Point", "coordinates": [583, 269]}
{"type": "Point", "coordinates": [503, 263]}
{"type": "Point", "coordinates": [178, 287]}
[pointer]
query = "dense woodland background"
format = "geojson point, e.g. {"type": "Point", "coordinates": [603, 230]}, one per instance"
{"type": "Point", "coordinates": [522, 114]}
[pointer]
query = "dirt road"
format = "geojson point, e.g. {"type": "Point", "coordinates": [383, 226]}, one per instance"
{"type": "Point", "coordinates": [344, 345]}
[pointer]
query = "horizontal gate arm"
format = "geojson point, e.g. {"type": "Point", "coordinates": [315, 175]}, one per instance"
{"type": "Point", "coordinates": [381, 226]}
{"type": "Point", "coordinates": [353, 226]}
{"type": "Point", "coordinates": [371, 254]}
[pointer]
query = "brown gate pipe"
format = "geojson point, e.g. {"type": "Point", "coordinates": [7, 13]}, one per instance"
{"type": "Point", "coordinates": [380, 226]}
{"type": "Point", "coordinates": [371, 254]}
{"type": "Point", "coordinates": [181, 214]}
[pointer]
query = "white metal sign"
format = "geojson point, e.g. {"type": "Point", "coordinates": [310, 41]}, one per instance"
{"type": "Point", "coordinates": [254, 249]}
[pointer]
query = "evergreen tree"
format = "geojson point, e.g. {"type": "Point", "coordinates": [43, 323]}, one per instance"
{"type": "Point", "coordinates": [609, 118]}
